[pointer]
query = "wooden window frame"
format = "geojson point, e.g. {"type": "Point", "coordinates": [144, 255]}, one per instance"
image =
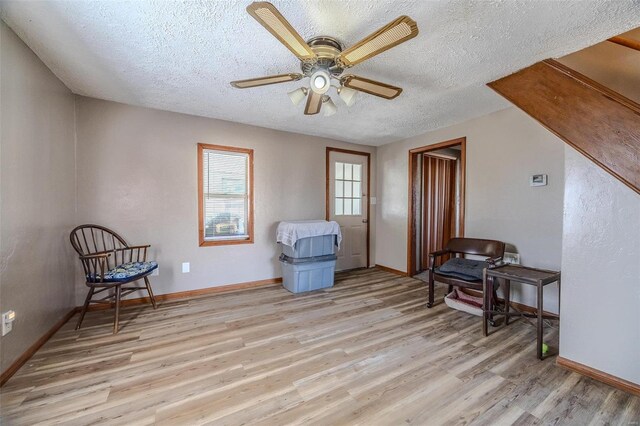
{"type": "Point", "coordinates": [250, 217]}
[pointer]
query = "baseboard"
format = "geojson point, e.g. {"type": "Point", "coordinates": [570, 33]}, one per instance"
{"type": "Point", "coordinates": [598, 375]}
{"type": "Point", "coordinates": [393, 271]}
{"type": "Point", "coordinates": [22, 359]}
{"type": "Point", "coordinates": [189, 294]}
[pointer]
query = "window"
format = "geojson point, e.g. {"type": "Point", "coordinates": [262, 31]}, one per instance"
{"type": "Point", "coordinates": [348, 192]}
{"type": "Point", "coordinates": [225, 195]}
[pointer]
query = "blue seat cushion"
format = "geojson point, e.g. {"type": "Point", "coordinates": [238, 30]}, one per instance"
{"type": "Point", "coordinates": [466, 269]}
{"type": "Point", "coordinates": [126, 272]}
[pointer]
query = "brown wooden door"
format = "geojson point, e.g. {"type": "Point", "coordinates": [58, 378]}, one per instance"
{"type": "Point", "coordinates": [439, 193]}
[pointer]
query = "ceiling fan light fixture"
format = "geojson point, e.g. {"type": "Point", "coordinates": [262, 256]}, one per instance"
{"type": "Point", "coordinates": [320, 81]}
{"type": "Point", "coordinates": [328, 106]}
{"type": "Point", "coordinates": [298, 95]}
{"type": "Point", "coordinates": [347, 95]}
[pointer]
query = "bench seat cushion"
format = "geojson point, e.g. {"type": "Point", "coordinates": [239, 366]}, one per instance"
{"type": "Point", "coordinates": [465, 269]}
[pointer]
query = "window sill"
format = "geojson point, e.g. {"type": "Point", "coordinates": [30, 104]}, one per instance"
{"type": "Point", "coordinates": [208, 243]}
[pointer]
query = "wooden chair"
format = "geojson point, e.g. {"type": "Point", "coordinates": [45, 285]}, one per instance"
{"type": "Point", "coordinates": [491, 249]}
{"type": "Point", "coordinates": [110, 264]}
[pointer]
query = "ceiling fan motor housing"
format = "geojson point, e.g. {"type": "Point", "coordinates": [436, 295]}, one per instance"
{"type": "Point", "coordinates": [326, 49]}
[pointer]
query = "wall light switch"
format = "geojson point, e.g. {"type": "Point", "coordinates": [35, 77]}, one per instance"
{"type": "Point", "coordinates": [7, 321]}
{"type": "Point", "coordinates": [185, 267]}
{"type": "Point", "coordinates": [374, 200]}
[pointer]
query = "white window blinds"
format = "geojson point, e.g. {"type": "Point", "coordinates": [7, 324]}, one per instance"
{"type": "Point", "coordinates": [225, 184]}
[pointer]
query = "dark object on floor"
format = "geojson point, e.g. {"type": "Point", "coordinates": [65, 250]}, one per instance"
{"type": "Point", "coordinates": [109, 263]}
{"type": "Point", "coordinates": [459, 247]}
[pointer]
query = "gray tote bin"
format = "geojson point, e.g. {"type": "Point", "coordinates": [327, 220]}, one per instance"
{"type": "Point", "coordinates": [321, 245]}
{"type": "Point", "coordinates": [300, 275]}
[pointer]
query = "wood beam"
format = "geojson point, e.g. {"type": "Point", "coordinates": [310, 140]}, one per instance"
{"type": "Point", "coordinates": [626, 42]}
{"type": "Point", "coordinates": [598, 122]}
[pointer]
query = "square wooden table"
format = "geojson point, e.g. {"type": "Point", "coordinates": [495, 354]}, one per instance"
{"type": "Point", "coordinates": [524, 275]}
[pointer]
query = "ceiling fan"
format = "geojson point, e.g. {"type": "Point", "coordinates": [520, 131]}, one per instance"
{"type": "Point", "coordinates": [323, 58]}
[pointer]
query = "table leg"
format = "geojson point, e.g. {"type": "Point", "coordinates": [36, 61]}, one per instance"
{"type": "Point", "coordinates": [540, 308]}
{"type": "Point", "coordinates": [485, 330]}
{"type": "Point", "coordinates": [559, 290]}
{"type": "Point", "coordinates": [507, 300]}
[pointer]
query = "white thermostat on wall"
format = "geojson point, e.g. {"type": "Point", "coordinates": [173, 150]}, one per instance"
{"type": "Point", "coordinates": [538, 180]}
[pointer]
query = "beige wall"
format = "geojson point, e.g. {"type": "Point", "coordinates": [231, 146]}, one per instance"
{"type": "Point", "coordinates": [612, 65]}
{"type": "Point", "coordinates": [503, 150]}
{"type": "Point", "coordinates": [37, 195]}
{"type": "Point", "coordinates": [137, 174]}
{"type": "Point", "coordinates": [600, 324]}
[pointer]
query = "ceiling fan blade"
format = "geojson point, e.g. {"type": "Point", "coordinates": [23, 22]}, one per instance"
{"type": "Point", "coordinates": [314, 103]}
{"type": "Point", "coordinates": [263, 81]}
{"type": "Point", "coordinates": [371, 87]}
{"type": "Point", "coordinates": [266, 13]}
{"type": "Point", "coordinates": [392, 34]}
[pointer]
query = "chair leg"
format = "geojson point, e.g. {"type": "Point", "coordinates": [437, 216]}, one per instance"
{"type": "Point", "coordinates": [116, 320]}
{"type": "Point", "coordinates": [151, 296]}
{"type": "Point", "coordinates": [85, 307]}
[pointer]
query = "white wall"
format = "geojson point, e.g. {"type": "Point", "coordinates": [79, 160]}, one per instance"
{"type": "Point", "coordinates": [600, 324]}
{"type": "Point", "coordinates": [37, 195]}
{"type": "Point", "coordinates": [503, 150]}
{"type": "Point", "coordinates": [137, 174]}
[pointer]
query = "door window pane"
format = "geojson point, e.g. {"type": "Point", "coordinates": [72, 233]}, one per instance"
{"type": "Point", "coordinates": [339, 170]}
{"type": "Point", "coordinates": [356, 190]}
{"type": "Point", "coordinates": [347, 188]}
{"type": "Point", "coordinates": [347, 171]}
{"type": "Point", "coordinates": [357, 172]}
{"type": "Point", "coordinates": [347, 206]}
{"type": "Point", "coordinates": [339, 186]}
{"type": "Point", "coordinates": [339, 207]}
{"type": "Point", "coordinates": [356, 207]}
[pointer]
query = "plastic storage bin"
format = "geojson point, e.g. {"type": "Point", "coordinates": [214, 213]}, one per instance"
{"type": "Point", "coordinates": [321, 245]}
{"type": "Point", "coordinates": [300, 275]}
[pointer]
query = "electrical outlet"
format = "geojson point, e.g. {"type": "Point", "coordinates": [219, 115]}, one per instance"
{"type": "Point", "coordinates": [185, 267]}
{"type": "Point", "coordinates": [7, 321]}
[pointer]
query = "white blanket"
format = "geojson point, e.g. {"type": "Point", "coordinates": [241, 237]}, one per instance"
{"type": "Point", "coordinates": [290, 232]}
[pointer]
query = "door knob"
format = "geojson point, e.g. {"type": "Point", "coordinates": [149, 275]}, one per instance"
{"type": "Point", "coordinates": [365, 221]}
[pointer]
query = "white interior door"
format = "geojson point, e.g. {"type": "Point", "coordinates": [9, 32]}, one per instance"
{"type": "Point", "coordinates": [348, 204]}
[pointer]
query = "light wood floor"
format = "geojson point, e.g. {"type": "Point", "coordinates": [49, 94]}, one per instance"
{"type": "Point", "coordinates": [366, 351]}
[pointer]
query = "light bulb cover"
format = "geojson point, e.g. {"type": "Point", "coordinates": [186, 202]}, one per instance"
{"type": "Point", "coordinates": [320, 78]}
{"type": "Point", "coordinates": [328, 106]}
{"type": "Point", "coordinates": [298, 95]}
{"type": "Point", "coordinates": [347, 95]}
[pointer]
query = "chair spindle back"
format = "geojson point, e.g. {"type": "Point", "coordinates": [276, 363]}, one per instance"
{"type": "Point", "coordinates": [95, 239]}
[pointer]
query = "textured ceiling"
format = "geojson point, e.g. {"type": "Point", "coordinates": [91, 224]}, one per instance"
{"type": "Point", "coordinates": [180, 56]}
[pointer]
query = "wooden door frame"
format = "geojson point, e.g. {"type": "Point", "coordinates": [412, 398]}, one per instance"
{"type": "Point", "coordinates": [414, 195]}
{"type": "Point", "coordinates": [328, 174]}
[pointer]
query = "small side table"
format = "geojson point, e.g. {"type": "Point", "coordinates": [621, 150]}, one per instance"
{"type": "Point", "coordinates": [524, 275]}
